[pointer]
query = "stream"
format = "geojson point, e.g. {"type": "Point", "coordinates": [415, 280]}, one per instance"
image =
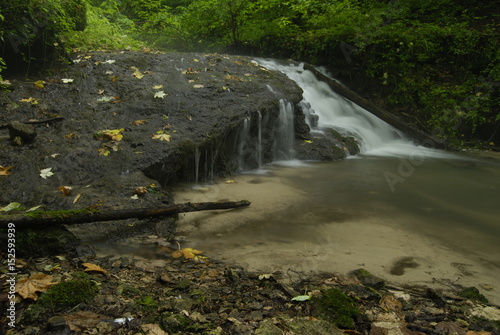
{"type": "Point", "coordinates": [406, 213]}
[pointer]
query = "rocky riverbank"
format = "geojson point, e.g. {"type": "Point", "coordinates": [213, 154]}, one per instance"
{"type": "Point", "coordinates": [163, 290]}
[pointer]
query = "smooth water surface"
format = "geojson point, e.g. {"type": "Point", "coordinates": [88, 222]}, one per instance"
{"type": "Point", "coordinates": [441, 217]}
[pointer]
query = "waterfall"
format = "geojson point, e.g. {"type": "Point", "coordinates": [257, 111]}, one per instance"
{"type": "Point", "coordinates": [284, 133]}
{"type": "Point", "coordinates": [331, 110]}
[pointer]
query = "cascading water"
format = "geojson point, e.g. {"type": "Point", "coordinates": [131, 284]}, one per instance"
{"type": "Point", "coordinates": [375, 136]}
{"type": "Point", "coordinates": [284, 133]}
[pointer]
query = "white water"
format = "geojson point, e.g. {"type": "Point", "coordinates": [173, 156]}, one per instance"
{"type": "Point", "coordinates": [376, 137]}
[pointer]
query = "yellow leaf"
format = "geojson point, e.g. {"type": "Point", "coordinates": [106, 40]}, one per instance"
{"type": "Point", "coordinates": [230, 181]}
{"type": "Point", "coordinates": [30, 100]}
{"type": "Point", "coordinates": [28, 287]}
{"type": "Point", "coordinates": [162, 137]}
{"type": "Point", "coordinates": [4, 171]}
{"type": "Point", "coordinates": [70, 136]}
{"type": "Point", "coordinates": [187, 253]}
{"type": "Point", "coordinates": [308, 141]}
{"type": "Point", "coordinates": [138, 122]}
{"type": "Point", "coordinates": [104, 152]}
{"type": "Point", "coordinates": [157, 87]}
{"type": "Point", "coordinates": [40, 84]}
{"type": "Point", "coordinates": [90, 267]}
{"type": "Point", "coordinates": [138, 74]}
{"type": "Point", "coordinates": [112, 134]}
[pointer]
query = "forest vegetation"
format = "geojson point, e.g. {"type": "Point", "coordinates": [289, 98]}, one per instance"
{"type": "Point", "coordinates": [434, 63]}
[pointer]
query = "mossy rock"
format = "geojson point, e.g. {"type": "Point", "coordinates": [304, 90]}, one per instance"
{"type": "Point", "coordinates": [59, 298]}
{"type": "Point", "coordinates": [473, 293]}
{"type": "Point", "coordinates": [336, 307]}
{"type": "Point", "coordinates": [69, 294]}
{"type": "Point", "coordinates": [48, 241]}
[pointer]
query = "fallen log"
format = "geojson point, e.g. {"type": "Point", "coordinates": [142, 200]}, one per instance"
{"type": "Point", "coordinates": [421, 137]}
{"type": "Point", "coordinates": [37, 219]}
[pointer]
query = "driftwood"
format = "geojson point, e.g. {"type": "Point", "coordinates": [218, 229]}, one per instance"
{"type": "Point", "coordinates": [43, 219]}
{"type": "Point", "coordinates": [421, 137]}
{"type": "Point", "coordinates": [52, 120]}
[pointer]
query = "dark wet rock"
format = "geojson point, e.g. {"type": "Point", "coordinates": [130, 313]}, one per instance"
{"type": "Point", "coordinates": [21, 133]}
{"type": "Point", "coordinates": [49, 241]}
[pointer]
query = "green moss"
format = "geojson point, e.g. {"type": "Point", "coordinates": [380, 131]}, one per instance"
{"type": "Point", "coordinates": [69, 294]}
{"type": "Point", "coordinates": [473, 293]}
{"type": "Point", "coordinates": [334, 306]}
{"type": "Point", "coordinates": [56, 214]}
{"type": "Point", "coordinates": [147, 302]}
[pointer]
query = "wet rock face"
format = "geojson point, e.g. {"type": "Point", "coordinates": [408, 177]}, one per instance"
{"type": "Point", "coordinates": [133, 119]}
{"type": "Point", "coordinates": [190, 101]}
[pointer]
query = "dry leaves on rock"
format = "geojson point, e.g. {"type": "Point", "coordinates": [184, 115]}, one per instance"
{"type": "Point", "coordinates": [187, 253]}
{"type": "Point", "coordinates": [4, 171]}
{"type": "Point", "coordinates": [28, 287]}
{"type": "Point", "coordinates": [161, 137]}
{"type": "Point", "coordinates": [90, 267]}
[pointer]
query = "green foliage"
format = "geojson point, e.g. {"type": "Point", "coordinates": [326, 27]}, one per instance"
{"type": "Point", "coordinates": [334, 306]}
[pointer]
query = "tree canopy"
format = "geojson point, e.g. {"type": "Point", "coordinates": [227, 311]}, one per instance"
{"type": "Point", "coordinates": [435, 63]}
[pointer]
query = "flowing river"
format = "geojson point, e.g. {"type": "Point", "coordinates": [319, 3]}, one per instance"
{"type": "Point", "coordinates": [408, 214]}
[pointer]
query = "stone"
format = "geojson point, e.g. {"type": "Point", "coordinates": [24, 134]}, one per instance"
{"type": "Point", "coordinates": [26, 132]}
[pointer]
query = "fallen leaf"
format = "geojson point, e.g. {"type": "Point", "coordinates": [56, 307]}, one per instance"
{"type": "Point", "coordinates": [34, 208]}
{"type": "Point", "coordinates": [70, 136]}
{"type": "Point", "coordinates": [134, 197]}
{"type": "Point", "coordinates": [100, 92]}
{"type": "Point", "coordinates": [161, 137]}
{"type": "Point", "coordinates": [31, 100]}
{"type": "Point", "coordinates": [160, 94]}
{"type": "Point", "coordinates": [111, 134]}
{"type": "Point", "coordinates": [110, 61]}
{"type": "Point", "coordinates": [308, 141]}
{"type": "Point", "coordinates": [90, 267]}
{"type": "Point", "coordinates": [230, 181]}
{"type": "Point", "coordinates": [66, 190]}
{"type": "Point", "coordinates": [105, 99]}
{"type": "Point", "coordinates": [45, 173]}
{"type": "Point", "coordinates": [104, 152]}
{"type": "Point", "coordinates": [265, 276]}
{"type": "Point", "coordinates": [10, 207]}
{"type": "Point", "coordinates": [138, 122]}
{"type": "Point", "coordinates": [301, 298]}
{"type": "Point", "coordinates": [188, 253]}
{"type": "Point", "coordinates": [141, 190]}
{"type": "Point", "coordinates": [77, 197]}
{"type": "Point", "coordinates": [39, 84]}
{"type": "Point", "coordinates": [157, 87]}
{"type": "Point", "coordinates": [28, 287]}
{"type": "Point", "coordinates": [198, 86]}
{"type": "Point", "coordinates": [4, 171]}
{"type": "Point", "coordinates": [138, 74]}
{"type": "Point", "coordinates": [67, 80]}
{"type": "Point", "coordinates": [196, 60]}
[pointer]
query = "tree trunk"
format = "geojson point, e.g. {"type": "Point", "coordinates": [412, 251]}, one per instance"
{"type": "Point", "coordinates": [43, 219]}
{"type": "Point", "coordinates": [421, 137]}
